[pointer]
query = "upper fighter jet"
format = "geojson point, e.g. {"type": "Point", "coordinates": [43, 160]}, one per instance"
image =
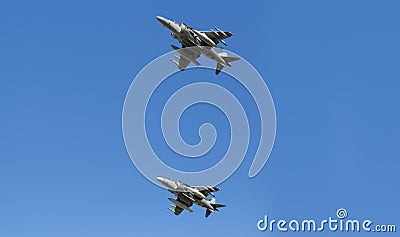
{"type": "Point", "coordinates": [188, 36]}
{"type": "Point", "coordinates": [194, 43]}
{"type": "Point", "coordinates": [187, 195]}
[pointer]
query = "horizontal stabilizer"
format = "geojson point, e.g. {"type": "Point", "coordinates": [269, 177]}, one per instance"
{"type": "Point", "coordinates": [230, 59]}
{"type": "Point", "coordinates": [216, 205]}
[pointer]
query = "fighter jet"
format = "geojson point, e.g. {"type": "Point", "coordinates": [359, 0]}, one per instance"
{"type": "Point", "coordinates": [188, 36]}
{"type": "Point", "coordinates": [187, 195]}
{"type": "Point", "coordinates": [195, 43]}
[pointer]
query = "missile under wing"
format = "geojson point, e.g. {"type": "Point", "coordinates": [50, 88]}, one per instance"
{"type": "Point", "coordinates": [218, 35]}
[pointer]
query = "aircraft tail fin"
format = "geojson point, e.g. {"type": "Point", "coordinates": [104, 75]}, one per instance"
{"type": "Point", "coordinates": [219, 68]}
{"type": "Point", "coordinates": [208, 212]}
{"type": "Point", "coordinates": [215, 206]}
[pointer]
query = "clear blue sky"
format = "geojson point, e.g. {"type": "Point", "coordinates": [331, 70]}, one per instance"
{"type": "Point", "coordinates": [331, 66]}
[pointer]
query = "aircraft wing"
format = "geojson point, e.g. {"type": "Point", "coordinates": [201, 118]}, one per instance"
{"type": "Point", "coordinates": [218, 36]}
{"type": "Point", "coordinates": [177, 210]}
{"type": "Point", "coordinates": [182, 199]}
{"type": "Point", "coordinates": [183, 63]}
{"type": "Point", "coordinates": [186, 56]}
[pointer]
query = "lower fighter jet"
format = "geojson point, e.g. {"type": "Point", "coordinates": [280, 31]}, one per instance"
{"type": "Point", "coordinates": [190, 54]}
{"type": "Point", "coordinates": [187, 195]}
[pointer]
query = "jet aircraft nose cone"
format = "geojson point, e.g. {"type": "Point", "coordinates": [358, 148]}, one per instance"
{"type": "Point", "coordinates": [161, 19]}
{"type": "Point", "coordinates": [168, 183]}
{"type": "Point", "coordinates": [160, 179]}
